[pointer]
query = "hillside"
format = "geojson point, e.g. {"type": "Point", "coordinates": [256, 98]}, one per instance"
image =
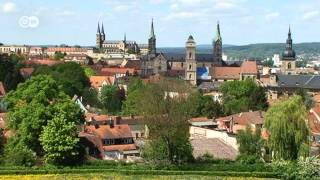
{"type": "Point", "coordinates": [257, 51]}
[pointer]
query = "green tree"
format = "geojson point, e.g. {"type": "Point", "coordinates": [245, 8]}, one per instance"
{"type": "Point", "coordinates": [239, 96]}
{"type": "Point", "coordinates": [166, 109]}
{"type": "Point", "coordinates": [205, 106]}
{"type": "Point", "coordinates": [9, 71]}
{"type": "Point", "coordinates": [89, 71]}
{"type": "Point", "coordinates": [110, 99]}
{"type": "Point", "coordinates": [306, 98]}
{"type": "Point", "coordinates": [70, 76]}
{"type": "Point", "coordinates": [59, 55]}
{"type": "Point", "coordinates": [90, 97]}
{"type": "Point", "coordinates": [32, 105]}
{"type": "Point", "coordinates": [250, 143]}
{"type": "Point", "coordinates": [135, 93]}
{"type": "Point", "coordinates": [60, 141]}
{"type": "Point", "coordinates": [2, 141]}
{"type": "Point", "coordinates": [18, 154]}
{"type": "Point", "coordinates": [286, 123]}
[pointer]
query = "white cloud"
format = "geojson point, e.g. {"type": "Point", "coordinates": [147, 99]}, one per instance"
{"type": "Point", "coordinates": [65, 13]}
{"type": "Point", "coordinates": [272, 16]}
{"type": "Point", "coordinates": [8, 7]}
{"type": "Point", "coordinates": [120, 8]}
{"type": "Point", "coordinates": [310, 14]}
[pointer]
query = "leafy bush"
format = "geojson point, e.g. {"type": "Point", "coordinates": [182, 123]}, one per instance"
{"type": "Point", "coordinates": [249, 159]}
{"type": "Point", "coordinates": [16, 153]}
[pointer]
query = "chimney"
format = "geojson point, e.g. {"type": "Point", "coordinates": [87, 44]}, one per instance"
{"type": "Point", "coordinates": [117, 121]}
{"type": "Point", "coordinates": [231, 124]}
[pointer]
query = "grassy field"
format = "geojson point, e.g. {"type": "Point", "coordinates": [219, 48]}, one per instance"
{"type": "Point", "coordinates": [114, 176]}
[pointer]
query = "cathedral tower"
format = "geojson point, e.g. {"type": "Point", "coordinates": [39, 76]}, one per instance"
{"type": "Point", "coordinates": [217, 47]}
{"type": "Point", "coordinates": [103, 35]}
{"type": "Point", "coordinates": [152, 41]}
{"type": "Point", "coordinates": [191, 64]}
{"type": "Point", "coordinates": [288, 57]}
{"type": "Point", "coordinates": [98, 38]}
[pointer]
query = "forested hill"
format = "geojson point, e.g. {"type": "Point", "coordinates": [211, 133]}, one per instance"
{"type": "Point", "coordinates": [256, 51]}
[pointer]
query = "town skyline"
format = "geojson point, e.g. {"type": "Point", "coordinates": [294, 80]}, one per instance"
{"type": "Point", "coordinates": [174, 21]}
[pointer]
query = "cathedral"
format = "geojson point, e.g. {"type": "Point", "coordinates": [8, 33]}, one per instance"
{"type": "Point", "coordinates": [185, 65]}
{"type": "Point", "coordinates": [117, 46]}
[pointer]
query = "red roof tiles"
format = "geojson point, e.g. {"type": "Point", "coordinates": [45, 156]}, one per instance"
{"type": "Point", "coordinates": [107, 132]}
{"type": "Point", "coordinates": [249, 67]}
{"type": "Point", "coordinates": [225, 73]}
{"type": "Point", "coordinates": [98, 81]}
{"type": "Point", "coordinates": [2, 90]}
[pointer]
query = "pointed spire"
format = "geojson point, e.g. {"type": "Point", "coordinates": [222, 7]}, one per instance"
{"type": "Point", "coordinates": [98, 30]}
{"type": "Point", "coordinates": [218, 35]}
{"type": "Point", "coordinates": [152, 35]}
{"type": "Point", "coordinates": [125, 37]}
{"type": "Point", "coordinates": [102, 29]}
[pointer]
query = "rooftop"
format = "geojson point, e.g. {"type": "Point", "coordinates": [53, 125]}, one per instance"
{"type": "Point", "coordinates": [108, 132]}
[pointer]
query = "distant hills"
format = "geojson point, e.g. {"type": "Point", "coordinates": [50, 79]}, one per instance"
{"type": "Point", "coordinates": [256, 51]}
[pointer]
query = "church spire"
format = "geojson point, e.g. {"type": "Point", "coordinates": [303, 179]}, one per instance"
{"type": "Point", "coordinates": [218, 35]}
{"type": "Point", "coordinates": [125, 37]}
{"type": "Point", "coordinates": [98, 30]}
{"type": "Point", "coordinates": [289, 52]}
{"type": "Point", "coordinates": [152, 35]}
{"type": "Point", "coordinates": [102, 29]}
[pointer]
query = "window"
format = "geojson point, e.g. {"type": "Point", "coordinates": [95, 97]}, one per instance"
{"type": "Point", "coordinates": [190, 55]}
{"type": "Point", "coordinates": [182, 64]}
{"type": "Point", "coordinates": [190, 66]}
{"type": "Point", "coordinates": [289, 65]}
{"type": "Point", "coordinates": [190, 76]}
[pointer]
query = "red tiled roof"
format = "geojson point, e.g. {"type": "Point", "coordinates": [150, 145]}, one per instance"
{"type": "Point", "coordinates": [26, 72]}
{"type": "Point", "coordinates": [121, 147]}
{"type": "Point", "coordinates": [245, 118]}
{"type": "Point", "coordinates": [249, 67]}
{"type": "Point", "coordinates": [2, 90]}
{"type": "Point", "coordinates": [66, 49]}
{"type": "Point", "coordinates": [99, 81]}
{"type": "Point", "coordinates": [314, 120]}
{"type": "Point", "coordinates": [93, 139]}
{"type": "Point", "coordinates": [225, 72]}
{"type": "Point", "coordinates": [106, 132]}
{"type": "Point", "coordinates": [48, 62]}
{"type": "Point", "coordinates": [133, 64]}
{"type": "Point", "coordinates": [116, 70]}
{"type": "Point", "coordinates": [199, 119]}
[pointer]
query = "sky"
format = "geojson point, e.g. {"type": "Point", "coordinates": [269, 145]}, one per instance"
{"type": "Point", "coordinates": [74, 22]}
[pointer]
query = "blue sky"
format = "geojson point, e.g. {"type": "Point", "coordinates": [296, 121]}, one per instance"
{"type": "Point", "coordinates": [242, 21]}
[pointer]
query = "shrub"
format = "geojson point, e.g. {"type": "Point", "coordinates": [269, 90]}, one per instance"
{"type": "Point", "coordinates": [249, 159]}
{"type": "Point", "coordinates": [18, 154]}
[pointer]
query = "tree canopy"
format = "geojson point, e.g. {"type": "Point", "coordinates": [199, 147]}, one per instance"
{"type": "Point", "coordinates": [32, 106]}
{"type": "Point", "coordinates": [166, 109]}
{"type": "Point", "coordinates": [205, 106]}
{"type": "Point", "coordinates": [240, 96]}
{"type": "Point", "coordinates": [70, 76]}
{"type": "Point", "coordinates": [9, 71]}
{"type": "Point", "coordinates": [286, 123]}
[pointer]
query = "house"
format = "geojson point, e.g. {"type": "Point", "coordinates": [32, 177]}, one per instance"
{"type": "Point", "coordinates": [203, 122]}
{"type": "Point", "coordinates": [112, 141]}
{"type": "Point", "coordinates": [138, 129]}
{"type": "Point", "coordinates": [2, 90]}
{"type": "Point", "coordinates": [248, 69]}
{"type": "Point", "coordinates": [82, 59]}
{"type": "Point", "coordinates": [67, 50]}
{"type": "Point", "coordinates": [240, 121]}
{"type": "Point", "coordinates": [288, 84]}
{"type": "Point", "coordinates": [97, 82]}
{"type": "Point", "coordinates": [78, 100]}
{"type": "Point", "coordinates": [118, 72]}
{"type": "Point", "coordinates": [42, 61]}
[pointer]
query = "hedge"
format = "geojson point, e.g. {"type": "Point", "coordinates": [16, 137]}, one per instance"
{"type": "Point", "coordinates": [141, 172]}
